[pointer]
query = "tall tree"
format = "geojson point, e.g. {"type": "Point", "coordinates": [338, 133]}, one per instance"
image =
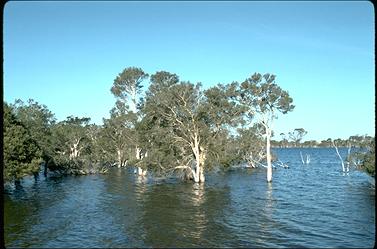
{"type": "Point", "coordinates": [120, 135]}
{"type": "Point", "coordinates": [71, 142]}
{"type": "Point", "coordinates": [190, 120]}
{"type": "Point", "coordinates": [38, 119]}
{"type": "Point", "coordinates": [127, 86]}
{"type": "Point", "coordinates": [22, 155]}
{"type": "Point", "coordinates": [264, 100]}
{"type": "Point", "coordinates": [127, 89]}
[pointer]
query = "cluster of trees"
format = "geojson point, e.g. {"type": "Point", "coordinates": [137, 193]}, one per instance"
{"type": "Point", "coordinates": [172, 127]}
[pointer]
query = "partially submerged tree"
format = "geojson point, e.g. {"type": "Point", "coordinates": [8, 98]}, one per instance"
{"type": "Point", "coordinates": [264, 100]}
{"type": "Point", "coordinates": [119, 135]}
{"type": "Point", "coordinates": [127, 89]}
{"type": "Point", "coordinates": [72, 146]}
{"type": "Point", "coordinates": [38, 120]}
{"type": "Point", "coordinates": [188, 120]}
{"type": "Point", "coordinates": [251, 146]}
{"type": "Point", "coordinates": [21, 153]}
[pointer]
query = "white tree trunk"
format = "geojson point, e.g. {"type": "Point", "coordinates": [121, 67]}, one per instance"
{"type": "Point", "coordinates": [119, 158]}
{"type": "Point", "coordinates": [198, 173]}
{"type": "Point", "coordinates": [337, 152]}
{"type": "Point", "coordinates": [268, 152]}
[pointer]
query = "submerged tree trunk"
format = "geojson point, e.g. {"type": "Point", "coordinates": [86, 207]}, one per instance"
{"type": "Point", "coordinates": [119, 158]}
{"type": "Point", "coordinates": [337, 152]}
{"type": "Point", "coordinates": [199, 155]}
{"type": "Point", "coordinates": [17, 184]}
{"type": "Point", "coordinates": [268, 152]}
{"type": "Point", "coordinates": [36, 176]}
{"type": "Point", "coordinates": [139, 156]}
{"type": "Point", "coordinates": [45, 168]}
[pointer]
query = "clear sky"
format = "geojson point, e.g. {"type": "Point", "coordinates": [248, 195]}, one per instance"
{"type": "Point", "coordinates": [67, 54]}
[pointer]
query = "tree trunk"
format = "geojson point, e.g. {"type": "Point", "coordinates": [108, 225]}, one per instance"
{"type": "Point", "coordinates": [119, 158]}
{"type": "Point", "coordinates": [17, 184]}
{"type": "Point", "coordinates": [139, 156]}
{"type": "Point", "coordinates": [268, 151]}
{"type": "Point", "coordinates": [198, 174]}
{"type": "Point", "coordinates": [45, 168]}
{"type": "Point", "coordinates": [36, 176]}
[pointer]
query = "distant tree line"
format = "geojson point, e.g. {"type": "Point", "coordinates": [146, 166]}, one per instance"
{"type": "Point", "coordinates": [294, 139]}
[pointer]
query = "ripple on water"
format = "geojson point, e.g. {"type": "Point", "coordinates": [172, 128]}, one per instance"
{"type": "Point", "coordinates": [311, 205]}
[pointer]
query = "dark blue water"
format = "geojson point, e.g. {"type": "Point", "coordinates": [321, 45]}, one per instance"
{"type": "Point", "coordinates": [315, 205]}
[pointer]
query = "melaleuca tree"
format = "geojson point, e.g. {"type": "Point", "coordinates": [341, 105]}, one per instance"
{"type": "Point", "coordinates": [119, 134]}
{"type": "Point", "coordinates": [21, 155]}
{"type": "Point", "coordinates": [264, 100]}
{"type": "Point", "coordinates": [189, 121]}
{"type": "Point", "coordinates": [154, 131]}
{"type": "Point", "coordinates": [368, 159]}
{"type": "Point", "coordinates": [71, 144]}
{"type": "Point", "coordinates": [250, 144]}
{"type": "Point", "coordinates": [38, 119]}
{"type": "Point", "coordinates": [127, 89]}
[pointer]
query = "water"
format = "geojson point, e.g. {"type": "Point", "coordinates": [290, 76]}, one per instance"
{"type": "Point", "coordinates": [314, 205]}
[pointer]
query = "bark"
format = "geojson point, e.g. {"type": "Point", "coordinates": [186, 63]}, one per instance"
{"type": "Point", "coordinates": [268, 151]}
{"type": "Point", "coordinates": [119, 158]}
{"type": "Point", "coordinates": [139, 156]}
{"type": "Point", "coordinates": [198, 173]}
{"type": "Point", "coordinates": [337, 152]}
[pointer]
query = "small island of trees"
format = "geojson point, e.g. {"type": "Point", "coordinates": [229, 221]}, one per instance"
{"type": "Point", "coordinates": [173, 127]}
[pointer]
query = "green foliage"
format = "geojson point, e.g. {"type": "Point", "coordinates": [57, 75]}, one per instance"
{"type": "Point", "coordinates": [175, 123]}
{"type": "Point", "coordinates": [127, 86]}
{"type": "Point", "coordinates": [38, 120]}
{"type": "Point", "coordinates": [119, 136]}
{"type": "Point", "coordinates": [71, 143]}
{"type": "Point", "coordinates": [22, 155]}
{"type": "Point", "coordinates": [365, 157]}
{"type": "Point", "coordinates": [296, 135]}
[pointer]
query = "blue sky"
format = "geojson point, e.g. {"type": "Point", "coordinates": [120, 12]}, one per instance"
{"type": "Point", "coordinates": [67, 54]}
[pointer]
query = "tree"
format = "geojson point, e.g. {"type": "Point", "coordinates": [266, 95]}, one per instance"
{"type": "Point", "coordinates": [22, 155]}
{"type": "Point", "coordinates": [127, 88]}
{"type": "Point", "coordinates": [71, 143]}
{"type": "Point", "coordinates": [264, 99]}
{"type": "Point", "coordinates": [38, 120]}
{"type": "Point", "coordinates": [250, 145]}
{"type": "Point", "coordinates": [119, 135]}
{"type": "Point", "coordinates": [368, 159]}
{"type": "Point", "coordinates": [296, 135]}
{"type": "Point", "coordinates": [188, 120]}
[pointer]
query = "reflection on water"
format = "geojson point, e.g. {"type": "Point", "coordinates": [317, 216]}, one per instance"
{"type": "Point", "coordinates": [305, 206]}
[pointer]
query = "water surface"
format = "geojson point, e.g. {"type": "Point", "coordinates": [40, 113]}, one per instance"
{"type": "Point", "coordinates": [315, 205]}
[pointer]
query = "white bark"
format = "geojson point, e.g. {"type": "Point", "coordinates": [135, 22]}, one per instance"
{"type": "Point", "coordinates": [198, 174]}
{"type": "Point", "coordinates": [268, 151]}
{"type": "Point", "coordinates": [302, 159]}
{"type": "Point", "coordinates": [119, 158]}
{"type": "Point", "coordinates": [307, 159]}
{"type": "Point", "coordinates": [337, 152]}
